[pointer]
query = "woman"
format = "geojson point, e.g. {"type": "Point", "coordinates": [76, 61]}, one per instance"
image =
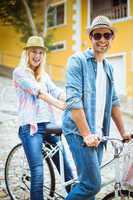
{"type": "Point", "coordinates": [35, 90]}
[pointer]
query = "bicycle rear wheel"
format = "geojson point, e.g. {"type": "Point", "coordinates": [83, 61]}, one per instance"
{"type": "Point", "coordinates": [17, 175]}
{"type": "Point", "coordinates": [123, 195]}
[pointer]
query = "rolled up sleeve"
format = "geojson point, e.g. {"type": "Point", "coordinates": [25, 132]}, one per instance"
{"type": "Point", "coordinates": [115, 99]}
{"type": "Point", "coordinates": [74, 84]}
{"type": "Point", "coordinates": [25, 81]}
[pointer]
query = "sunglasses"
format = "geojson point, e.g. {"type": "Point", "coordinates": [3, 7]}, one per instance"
{"type": "Point", "coordinates": [98, 36]}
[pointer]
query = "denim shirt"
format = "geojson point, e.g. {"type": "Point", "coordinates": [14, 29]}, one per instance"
{"type": "Point", "coordinates": [81, 92]}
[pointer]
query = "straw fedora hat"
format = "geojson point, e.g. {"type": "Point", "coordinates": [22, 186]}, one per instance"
{"type": "Point", "coordinates": [35, 41]}
{"type": "Point", "coordinates": [101, 22]}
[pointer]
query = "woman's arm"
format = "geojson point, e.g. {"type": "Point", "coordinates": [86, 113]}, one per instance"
{"type": "Point", "coordinates": [54, 90]}
{"type": "Point", "coordinates": [54, 95]}
{"type": "Point", "coordinates": [25, 81]}
{"type": "Point", "coordinates": [62, 96]}
{"type": "Point", "coordinates": [51, 100]}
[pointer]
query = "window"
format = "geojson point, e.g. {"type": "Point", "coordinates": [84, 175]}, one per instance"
{"type": "Point", "coordinates": [57, 46]}
{"type": "Point", "coordinates": [114, 9]}
{"type": "Point", "coordinates": [119, 9]}
{"type": "Point", "coordinates": [55, 15]}
{"type": "Point", "coordinates": [118, 2]}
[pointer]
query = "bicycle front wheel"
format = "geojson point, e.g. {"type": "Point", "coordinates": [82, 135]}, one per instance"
{"type": "Point", "coordinates": [123, 195]}
{"type": "Point", "coordinates": [17, 175]}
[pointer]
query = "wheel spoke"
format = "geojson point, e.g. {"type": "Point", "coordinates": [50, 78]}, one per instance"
{"type": "Point", "coordinates": [17, 175]}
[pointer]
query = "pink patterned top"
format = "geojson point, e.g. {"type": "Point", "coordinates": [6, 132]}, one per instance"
{"type": "Point", "coordinates": [32, 110]}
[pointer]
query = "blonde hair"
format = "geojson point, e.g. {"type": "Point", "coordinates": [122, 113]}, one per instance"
{"type": "Point", "coordinates": [23, 63]}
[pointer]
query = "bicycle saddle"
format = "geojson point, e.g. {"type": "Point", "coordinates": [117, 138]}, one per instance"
{"type": "Point", "coordinates": [53, 130]}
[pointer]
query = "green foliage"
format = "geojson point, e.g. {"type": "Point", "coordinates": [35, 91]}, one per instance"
{"type": "Point", "coordinates": [48, 41]}
{"type": "Point", "coordinates": [13, 12]}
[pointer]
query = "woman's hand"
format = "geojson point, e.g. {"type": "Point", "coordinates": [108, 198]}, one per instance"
{"type": "Point", "coordinates": [61, 105]}
{"type": "Point", "coordinates": [62, 96]}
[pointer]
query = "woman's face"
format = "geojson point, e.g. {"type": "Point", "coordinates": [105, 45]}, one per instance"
{"type": "Point", "coordinates": [35, 55]}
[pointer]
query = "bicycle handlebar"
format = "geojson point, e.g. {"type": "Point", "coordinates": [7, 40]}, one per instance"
{"type": "Point", "coordinates": [124, 140]}
{"type": "Point", "coordinates": [107, 138]}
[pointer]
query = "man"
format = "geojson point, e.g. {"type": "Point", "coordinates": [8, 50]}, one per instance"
{"type": "Point", "coordinates": [91, 100]}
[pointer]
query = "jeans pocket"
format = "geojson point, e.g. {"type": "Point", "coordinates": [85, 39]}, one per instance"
{"type": "Point", "coordinates": [24, 130]}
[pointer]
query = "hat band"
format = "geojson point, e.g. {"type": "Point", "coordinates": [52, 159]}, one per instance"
{"type": "Point", "coordinates": [101, 25]}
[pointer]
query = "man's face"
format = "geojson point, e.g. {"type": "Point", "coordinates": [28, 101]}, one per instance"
{"type": "Point", "coordinates": [35, 57]}
{"type": "Point", "coordinates": [101, 40]}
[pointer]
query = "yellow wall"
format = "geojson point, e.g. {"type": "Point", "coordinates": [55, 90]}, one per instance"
{"type": "Point", "coordinates": [124, 36]}
{"type": "Point", "coordinates": [131, 7]}
{"type": "Point", "coordinates": [84, 36]}
{"type": "Point", "coordinates": [123, 44]}
{"type": "Point", "coordinates": [10, 46]}
{"type": "Point", "coordinates": [58, 59]}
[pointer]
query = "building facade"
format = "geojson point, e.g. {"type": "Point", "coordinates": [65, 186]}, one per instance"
{"type": "Point", "coordinates": [67, 21]}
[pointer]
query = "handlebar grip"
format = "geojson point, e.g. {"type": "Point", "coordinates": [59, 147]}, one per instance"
{"type": "Point", "coordinates": [124, 140]}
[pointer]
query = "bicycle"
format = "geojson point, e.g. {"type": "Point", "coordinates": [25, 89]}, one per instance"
{"type": "Point", "coordinates": [120, 192]}
{"type": "Point", "coordinates": [18, 184]}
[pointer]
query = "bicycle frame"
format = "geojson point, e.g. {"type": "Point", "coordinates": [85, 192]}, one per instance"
{"type": "Point", "coordinates": [50, 153]}
{"type": "Point", "coordinates": [116, 159]}
{"type": "Point", "coordinates": [117, 185]}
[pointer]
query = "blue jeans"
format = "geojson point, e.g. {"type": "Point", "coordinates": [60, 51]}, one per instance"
{"type": "Point", "coordinates": [87, 160]}
{"type": "Point", "coordinates": [33, 150]}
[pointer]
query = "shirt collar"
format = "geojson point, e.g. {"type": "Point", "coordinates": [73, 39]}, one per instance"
{"type": "Point", "coordinates": [89, 53]}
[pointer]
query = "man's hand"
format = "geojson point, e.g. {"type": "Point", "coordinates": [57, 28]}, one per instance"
{"type": "Point", "coordinates": [126, 137]}
{"type": "Point", "coordinates": [91, 140]}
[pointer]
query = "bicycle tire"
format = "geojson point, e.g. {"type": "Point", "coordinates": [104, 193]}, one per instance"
{"type": "Point", "coordinates": [122, 193]}
{"type": "Point", "coordinates": [17, 175]}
